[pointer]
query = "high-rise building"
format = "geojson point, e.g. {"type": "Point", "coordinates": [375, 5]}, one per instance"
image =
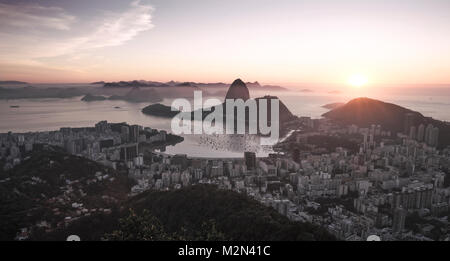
{"type": "Point", "coordinates": [129, 152]}
{"type": "Point", "coordinates": [134, 133]}
{"type": "Point", "coordinates": [412, 133]}
{"type": "Point", "coordinates": [398, 224]}
{"type": "Point", "coordinates": [378, 130]}
{"type": "Point", "coordinates": [409, 122]}
{"type": "Point", "coordinates": [250, 160]}
{"type": "Point", "coordinates": [421, 132]}
{"type": "Point", "coordinates": [429, 134]}
{"type": "Point", "coordinates": [125, 133]}
{"type": "Point", "coordinates": [435, 137]}
{"type": "Point", "coordinates": [365, 145]}
{"type": "Point", "coordinates": [180, 160]}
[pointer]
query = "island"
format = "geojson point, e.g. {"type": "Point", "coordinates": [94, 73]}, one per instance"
{"type": "Point", "coordinates": [160, 110]}
{"type": "Point", "coordinates": [90, 97]}
{"type": "Point", "coordinates": [333, 105]}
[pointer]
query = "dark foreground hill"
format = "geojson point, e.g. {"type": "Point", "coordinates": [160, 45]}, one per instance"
{"type": "Point", "coordinates": [185, 212]}
{"type": "Point", "coordinates": [38, 193]}
{"type": "Point", "coordinates": [364, 112]}
{"type": "Point", "coordinates": [236, 215]}
{"type": "Point", "coordinates": [53, 194]}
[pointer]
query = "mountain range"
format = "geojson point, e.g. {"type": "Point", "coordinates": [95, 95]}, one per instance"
{"type": "Point", "coordinates": [13, 82]}
{"type": "Point", "coordinates": [136, 94]}
{"type": "Point", "coordinates": [142, 83]}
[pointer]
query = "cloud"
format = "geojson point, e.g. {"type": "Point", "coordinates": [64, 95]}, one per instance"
{"type": "Point", "coordinates": [28, 31]}
{"type": "Point", "coordinates": [118, 30]}
{"type": "Point", "coordinates": [34, 16]}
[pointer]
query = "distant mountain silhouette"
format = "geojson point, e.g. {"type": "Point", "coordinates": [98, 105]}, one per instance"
{"type": "Point", "coordinates": [135, 83]}
{"type": "Point", "coordinates": [273, 88]}
{"type": "Point", "coordinates": [28, 92]}
{"type": "Point", "coordinates": [365, 112]}
{"type": "Point", "coordinates": [238, 90]}
{"type": "Point", "coordinates": [12, 82]}
{"type": "Point", "coordinates": [100, 82]}
{"type": "Point", "coordinates": [254, 85]}
{"type": "Point", "coordinates": [139, 95]}
{"type": "Point", "coordinates": [186, 84]}
{"type": "Point", "coordinates": [142, 83]}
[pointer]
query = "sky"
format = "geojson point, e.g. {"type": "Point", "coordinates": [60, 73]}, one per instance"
{"type": "Point", "coordinates": [285, 42]}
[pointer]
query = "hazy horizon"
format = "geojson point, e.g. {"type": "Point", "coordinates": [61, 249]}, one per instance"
{"type": "Point", "coordinates": [288, 43]}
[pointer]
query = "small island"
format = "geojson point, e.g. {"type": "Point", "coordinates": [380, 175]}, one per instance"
{"type": "Point", "coordinates": [160, 110]}
{"type": "Point", "coordinates": [90, 97]}
{"type": "Point", "coordinates": [332, 106]}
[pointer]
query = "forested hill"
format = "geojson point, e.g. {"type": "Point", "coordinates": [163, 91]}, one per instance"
{"type": "Point", "coordinates": [200, 212]}
{"type": "Point", "coordinates": [364, 112]}
{"type": "Point", "coordinates": [236, 215]}
{"type": "Point", "coordinates": [39, 193]}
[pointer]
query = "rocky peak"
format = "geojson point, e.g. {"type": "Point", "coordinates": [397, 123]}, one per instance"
{"type": "Point", "coordinates": [238, 90]}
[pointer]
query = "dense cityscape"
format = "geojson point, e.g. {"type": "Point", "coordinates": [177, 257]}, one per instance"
{"type": "Point", "coordinates": [374, 183]}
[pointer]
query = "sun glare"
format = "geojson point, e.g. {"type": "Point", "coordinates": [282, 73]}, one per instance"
{"type": "Point", "coordinates": [357, 80]}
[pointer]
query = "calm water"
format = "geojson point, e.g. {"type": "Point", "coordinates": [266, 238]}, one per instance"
{"type": "Point", "coordinates": [52, 114]}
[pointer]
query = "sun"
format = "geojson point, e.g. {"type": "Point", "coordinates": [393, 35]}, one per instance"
{"type": "Point", "coordinates": [357, 80]}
